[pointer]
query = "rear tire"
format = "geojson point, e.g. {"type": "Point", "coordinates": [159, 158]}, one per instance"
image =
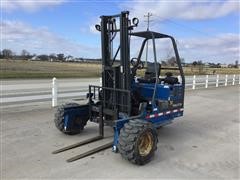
{"type": "Point", "coordinates": [59, 120]}
{"type": "Point", "coordinates": [138, 141]}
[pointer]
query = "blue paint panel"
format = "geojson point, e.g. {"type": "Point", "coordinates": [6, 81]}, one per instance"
{"type": "Point", "coordinates": [70, 115]}
{"type": "Point", "coordinates": [146, 91]}
{"type": "Point", "coordinates": [164, 92]}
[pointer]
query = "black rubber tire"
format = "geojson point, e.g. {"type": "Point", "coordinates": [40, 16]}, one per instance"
{"type": "Point", "coordinates": [59, 119]}
{"type": "Point", "coordinates": [129, 141]}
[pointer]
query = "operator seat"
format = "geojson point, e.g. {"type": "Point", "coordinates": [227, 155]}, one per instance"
{"type": "Point", "coordinates": [150, 74]}
{"type": "Point", "coordinates": [170, 79]}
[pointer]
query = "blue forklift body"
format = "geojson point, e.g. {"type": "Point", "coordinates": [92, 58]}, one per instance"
{"type": "Point", "coordinates": [157, 116]}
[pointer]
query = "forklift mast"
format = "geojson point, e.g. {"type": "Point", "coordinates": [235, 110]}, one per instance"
{"type": "Point", "coordinates": [116, 81]}
{"type": "Point", "coordinates": [107, 36]}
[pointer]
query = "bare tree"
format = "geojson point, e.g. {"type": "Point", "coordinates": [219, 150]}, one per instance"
{"type": "Point", "coordinates": [171, 61]}
{"type": "Point", "coordinates": [236, 64]}
{"type": "Point", "coordinates": [53, 57]}
{"type": "Point", "coordinates": [1, 55]}
{"type": "Point", "coordinates": [25, 54]}
{"type": "Point", "coordinates": [195, 63]}
{"type": "Point", "coordinates": [163, 63]}
{"type": "Point", "coordinates": [7, 53]}
{"type": "Point", "coordinates": [60, 57]}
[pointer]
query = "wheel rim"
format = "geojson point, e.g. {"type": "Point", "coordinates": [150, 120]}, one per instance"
{"type": "Point", "coordinates": [145, 143]}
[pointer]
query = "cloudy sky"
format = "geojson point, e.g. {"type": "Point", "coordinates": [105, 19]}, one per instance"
{"type": "Point", "coordinates": [204, 30]}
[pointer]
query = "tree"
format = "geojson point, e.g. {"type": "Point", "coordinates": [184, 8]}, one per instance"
{"type": "Point", "coordinates": [7, 53]}
{"type": "Point", "coordinates": [236, 64]}
{"type": "Point", "coordinates": [43, 57]}
{"type": "Point", "coordinates": [69, 58]}
{"type": "Point", "coordinates": [1, 55]}
{"type": "Point", "coordinates": [163, 63]}
{"type": "Point", "coordinates": [199, 62]}
{"type": "Point", "coordinates": [171, 61]}
{"type": "Point", "coordinates": [194, 63]}
{"type": "Point", "coordinates": [60, 57]}
{"type": "Point", "coordinates": [53, 57]}
{"type": "Point", "coordinates": [25, 54]}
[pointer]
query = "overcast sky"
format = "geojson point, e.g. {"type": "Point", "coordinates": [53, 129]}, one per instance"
{"type": "Point", "coordinates": [205, 30]}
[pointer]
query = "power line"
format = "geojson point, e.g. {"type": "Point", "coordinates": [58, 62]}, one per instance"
{"type": "Point", "coordinates": [188, 27]}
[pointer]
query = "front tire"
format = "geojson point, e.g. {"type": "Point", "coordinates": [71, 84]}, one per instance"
{"type": "Point", "coordinates": [138, 141]}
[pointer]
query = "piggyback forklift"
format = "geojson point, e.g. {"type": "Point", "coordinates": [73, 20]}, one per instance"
{"type": "Point", "coordinates": [133, 106]}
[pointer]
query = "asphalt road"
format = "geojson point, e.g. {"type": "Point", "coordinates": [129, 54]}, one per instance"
{"type": "Point", "coordinates": [202, 144]}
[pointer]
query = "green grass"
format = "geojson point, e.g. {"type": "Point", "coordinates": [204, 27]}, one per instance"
{"type": "Point", "coordinates": [39, 69]}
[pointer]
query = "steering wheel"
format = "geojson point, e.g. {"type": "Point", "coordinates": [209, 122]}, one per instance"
{"type": "Point", "coordinates": [134, 63]}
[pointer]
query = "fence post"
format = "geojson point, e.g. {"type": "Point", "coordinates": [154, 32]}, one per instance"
{"type": "Point", "coordinates": [238, 79]}
{"type": "Point", "coordinates": [206, 84]}
{"type": "Point", "coordinates": [217, 80]}
{"type": "Point", "coordinates": [233, 81]}
{"type": "Point", "coordinates": [54, 92]}
{"type": "Point", "coordinates": [226, 79]}
{"type": "Point", "coordinates": [194, 82]}
{"type": "Point", "coordinates": [179, 78]}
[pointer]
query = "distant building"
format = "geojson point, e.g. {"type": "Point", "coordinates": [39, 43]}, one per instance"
{"type": "Point", "coordinates": [224, 66]}
{"type": "Point", "coordinates": [207, 65]}
{"type": "Point", "coordinates": [69, 58]}
{"type": "Point", "coordinates": [34, 58]}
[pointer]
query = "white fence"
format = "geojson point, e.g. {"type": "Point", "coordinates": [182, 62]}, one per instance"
{"type": "Point", "coordinates": [191, 82]}
{"type": "Point", "coordinates": [208, 81]}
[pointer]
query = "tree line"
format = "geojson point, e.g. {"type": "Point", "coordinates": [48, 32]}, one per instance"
{"type": "Point", "coordinates": [26, 55]}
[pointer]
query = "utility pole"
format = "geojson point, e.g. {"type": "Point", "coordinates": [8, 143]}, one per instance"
{"type": "Point", "coordinates": [148, 19]}
{"type": "Point", "coordinates": [148, 23]}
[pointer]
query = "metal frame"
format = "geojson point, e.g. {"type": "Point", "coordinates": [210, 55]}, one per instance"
{"type": "Point", "coordinates": [154, 35]}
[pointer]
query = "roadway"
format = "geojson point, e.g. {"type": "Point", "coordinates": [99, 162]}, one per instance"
{"type": "Point", "coordinates": [202, 144]}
